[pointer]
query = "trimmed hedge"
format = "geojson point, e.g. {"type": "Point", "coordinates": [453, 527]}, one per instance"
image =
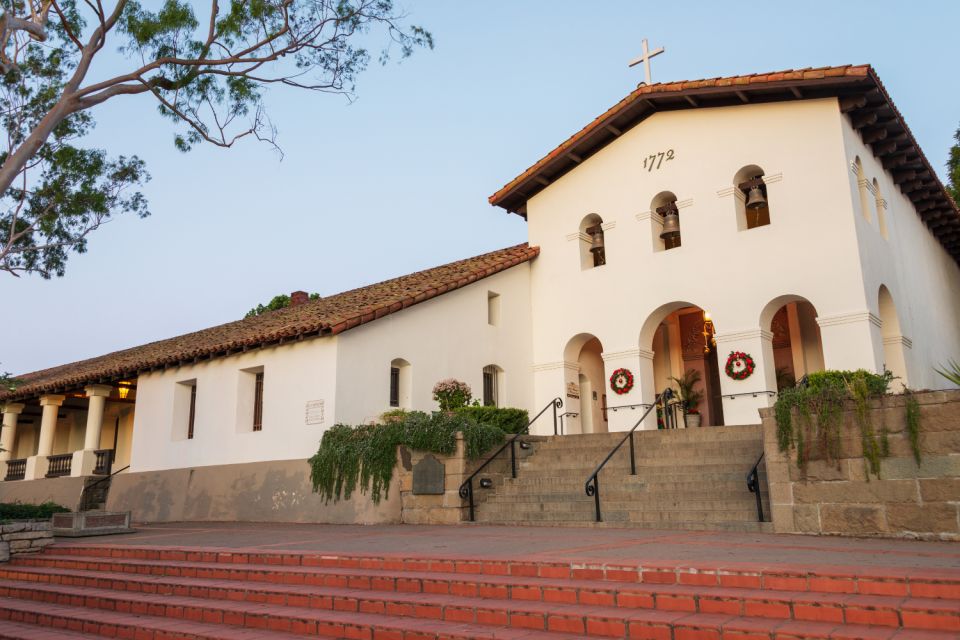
{"type": "Point", "coordinates": [507, 420]}
{"type": "Point", "coordinates": [17, 511]}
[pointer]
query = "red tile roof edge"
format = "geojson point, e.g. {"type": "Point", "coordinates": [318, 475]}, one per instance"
{"type": "Point", "coordinates": [674, 88]}
{"type": "Point", "coordinates": [311, 319]}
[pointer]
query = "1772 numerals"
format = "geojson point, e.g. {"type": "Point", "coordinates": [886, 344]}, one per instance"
{"type": "Point", "coordinates": [655, 160]}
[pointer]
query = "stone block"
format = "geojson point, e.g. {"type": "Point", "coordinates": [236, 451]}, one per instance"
{"type": "Point", "coordinates": [940, 489]}
{"type": "Point", "coordinates": [13, 527]}
{"type": "Point", "coordinates": [930, 466]}
{"type": "Point", "coordinates": [931, 517]}
{"type": "Point", "coordinates": [777, 471]}
{"type": "Point", "coordinates": [18, 545]}
{"type": "Point", "coordinates": [823, 470]}
{"type": "Point", "coordinates": [806, 518]}
{"type": "Point", "coordinates": [26, 535]}
{"type": "Point", "coordinates": [4, 551]}
{"type": "Point", "coordinates": [781, 492]}
{"type": "Point", "coordinates": [939, 443]}
{"type": "Point", "coordinates": [852, 519]}
{"type": "Point", "coordinates": [875, 491]}
{"type": "Point", "coordinates": [782, 517]}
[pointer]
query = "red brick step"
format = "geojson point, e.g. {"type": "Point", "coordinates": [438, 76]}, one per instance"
{"type": "Point", "coordinates": [838, 608]}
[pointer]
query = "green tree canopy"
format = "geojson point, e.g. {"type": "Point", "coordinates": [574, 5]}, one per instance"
{"type": "Point", "coordinates": [281, 301]}
{"type": "Point", "coordinates": [206, 69]}
{"type": "Point", "coordinates": [953, 168]}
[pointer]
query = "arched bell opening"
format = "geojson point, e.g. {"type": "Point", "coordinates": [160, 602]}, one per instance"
{"type": "Point", "coordinates": [681, 336]}
{"type": "Point", "coordinates": [752, 201]}
{"type": "Point", "coordinates": [593, 250]}
{"type": "Point", "coordinates": [665, 219]}
{"type": "Point", "coordinates": [585, 388]}
{"type": "Point", "coordinates": [797, 345]}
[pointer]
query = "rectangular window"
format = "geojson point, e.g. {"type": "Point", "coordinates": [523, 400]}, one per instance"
{"type": "Point", "coordinates": [490, 383]}
{"type": "Point", "coordinates": [493, 308]}
{"type": "Point", "coordinates": [258, 402]}
{"type": "Point", "coordinates": [191, 417]}
{"type": "Point", "coordinates": [394, 386]}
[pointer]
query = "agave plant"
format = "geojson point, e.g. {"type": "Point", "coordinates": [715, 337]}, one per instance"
{"type": "Point", "coordinates": [951, 371]}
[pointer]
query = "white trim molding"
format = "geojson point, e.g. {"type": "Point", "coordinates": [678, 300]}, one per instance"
{"type": "Point", "coordinates": [853, 317]}
{"type": "Point", "coordinates": [902, 340]}
{"type": "Point", "coordinates": [606, 226]}
{"type": "Point", "coordinates": [579, 235]}
{"type": "Point", "coordinates": [617, 355]}
{"type": "Point", "coordinates": [748, 334]}
{"type": "Point", "coordinates": [733, 191]}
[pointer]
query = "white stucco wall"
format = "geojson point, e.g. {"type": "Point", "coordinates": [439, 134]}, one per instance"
{"type": "Point", "coordinates": [294, 374]}
{"type": "Point", "coordinates": [446, 337]}
{"type": "Point", "coordinates": [922, 278]}
{"type": "Point", "coordinates": [809, 249]}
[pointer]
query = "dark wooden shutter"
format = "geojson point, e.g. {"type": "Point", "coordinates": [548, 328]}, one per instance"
{"type": "Point", "coordinates": [258, 402]}
{"type": "Point", "coordinates": [394, 386]}
{"type": "Point", "coordinates": [193, 410]}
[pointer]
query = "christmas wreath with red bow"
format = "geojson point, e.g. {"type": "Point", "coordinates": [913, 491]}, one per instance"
{"type": "Point", "coordinates": [740, 365]}
{"type": "Point", "coordinates": [621, 381]}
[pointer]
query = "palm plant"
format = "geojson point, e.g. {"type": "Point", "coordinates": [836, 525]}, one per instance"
{"type": "Point", "coordinates": [686, 389]}
{"type": "Point", "coordinates": [951, 371]}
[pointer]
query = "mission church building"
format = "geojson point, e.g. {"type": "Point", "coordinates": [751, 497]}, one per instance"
{"type": "Point", "coordinates": [790, 218]}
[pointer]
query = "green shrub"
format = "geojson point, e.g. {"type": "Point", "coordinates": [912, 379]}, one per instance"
{"type": "Point", "coordinates": [364, 456]}
{"type": "Point", "coordinates": [823, 397]}
{"type": "Point", "coordinates": [17, 511]}
{"type": "Point", "coordinates": [508, 420]}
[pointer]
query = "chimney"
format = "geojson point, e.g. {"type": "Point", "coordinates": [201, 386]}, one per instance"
{"type": "Point", "coordinates": [298, 297]}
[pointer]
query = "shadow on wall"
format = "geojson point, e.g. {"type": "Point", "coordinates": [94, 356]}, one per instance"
{"type": "Point", "coordinates": [278, 491]}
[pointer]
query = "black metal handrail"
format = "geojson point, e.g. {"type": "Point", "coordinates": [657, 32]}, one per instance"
{"type": "Point", "coordinates": [592, 485]}
{"type": "Point", "coordinates": [753, 483]}
{"type": "Point", "coordinates": [466, 489]}
{"type": "Point", "coordinates": [93, 484]}
{"type": "Point", "coordinates": [563, 427]}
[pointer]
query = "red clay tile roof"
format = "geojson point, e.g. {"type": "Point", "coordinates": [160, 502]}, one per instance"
{"type": "Point", "coordinates": [326, 316]}
{"type": "Point", "coordinates": [847, 82]}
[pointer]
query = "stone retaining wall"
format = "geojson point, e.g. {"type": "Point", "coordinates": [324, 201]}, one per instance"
{"type": "Point", "coordinates": [24, 537]}
{"type": "Point", "coordinates": [907, 500]}
{"type": "Point", "coordinates": [275, 491]}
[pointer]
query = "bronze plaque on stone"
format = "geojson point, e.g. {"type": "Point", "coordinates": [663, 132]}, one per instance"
{"type": "Point", "coordinates": [428, 475]}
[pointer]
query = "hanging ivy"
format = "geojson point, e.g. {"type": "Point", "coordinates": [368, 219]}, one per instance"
{"type": "Point", "coordinates": [364, 456]}
{"type": "Point", "coordinates": [809, 416]}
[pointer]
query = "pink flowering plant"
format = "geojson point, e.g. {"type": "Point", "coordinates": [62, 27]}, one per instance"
{"type": "Point", "coordinates": [452, 394]}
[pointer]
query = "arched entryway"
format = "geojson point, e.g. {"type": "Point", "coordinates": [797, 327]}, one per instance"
{"type": "Point", "coordinates": [586, 392]}
{"type": "Point", "coordinates": [894, 342]}
{"type": "Point", "coordinates": [681, 337]}
{"type": "Point", "coordinates": [797, 346]}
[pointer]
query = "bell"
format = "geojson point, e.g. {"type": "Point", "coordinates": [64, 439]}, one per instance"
{"type": "Point", "coordinates": [755, 199]}
{"type": "Point", "coordinates": [671, 226]}
{"type": "Point", "coordinates": [596, 241]}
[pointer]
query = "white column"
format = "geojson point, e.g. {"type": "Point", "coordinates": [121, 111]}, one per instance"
{"type": "Point", "coordinates": [97, 394]}
{"type": "Point", "coordinates": [852, 341]}
{"type": "Point", "coordinates": [11, 413]}
{"type": "Point", "coordinates": [549, 382]}
{"type": "Point", "coordinates": [647, 383]}
{"type": "Point", "coordinates": [48, 423]}
{"type": "Point", "coordinates": [626, 416]}
{"type": "Point", "coordinates": [743, 398]}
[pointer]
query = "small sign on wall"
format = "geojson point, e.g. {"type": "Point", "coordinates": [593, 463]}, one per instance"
{"type": "Point", "coordinates": [314, 412]}
{"type": "Point", "coordinates": [573, 390]}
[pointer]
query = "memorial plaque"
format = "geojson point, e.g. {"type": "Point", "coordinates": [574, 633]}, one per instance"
{"type": "Point", "coordinates": [314, 413]}
{"type": "Point", "coordinates": [428, 475]}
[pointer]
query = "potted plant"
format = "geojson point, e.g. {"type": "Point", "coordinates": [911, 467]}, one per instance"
{"type": "Point", "coordinates": [690, 396]}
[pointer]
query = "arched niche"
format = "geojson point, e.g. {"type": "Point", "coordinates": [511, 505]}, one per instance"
{"type": "Point", "coordinates": [584, 374]}
{"type": "Point", "coordinates": [862, 189]}
{"type": "Point", "coordinates": [895, 345]}
{"type": "Point", "coordinates": [797, 345]}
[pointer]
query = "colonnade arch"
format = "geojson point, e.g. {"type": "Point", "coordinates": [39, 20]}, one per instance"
{"type": "Point", "coordinates": [584, 377]}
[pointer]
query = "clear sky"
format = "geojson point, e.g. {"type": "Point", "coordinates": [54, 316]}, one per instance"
{"type": "Point", "coordinates": [398, 180]}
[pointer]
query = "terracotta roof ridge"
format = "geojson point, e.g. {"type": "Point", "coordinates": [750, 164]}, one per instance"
{"type": "Point", "coordinates": [326, 316]}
